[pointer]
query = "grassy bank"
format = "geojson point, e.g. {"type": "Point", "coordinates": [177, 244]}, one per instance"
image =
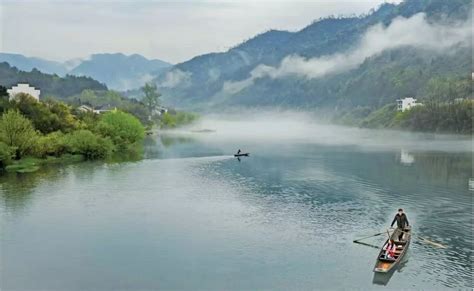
{"type": "Point", "coordinates": [32, 164]}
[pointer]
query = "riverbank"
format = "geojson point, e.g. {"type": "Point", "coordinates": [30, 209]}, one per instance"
{"type": "Point", "coordinates": [447, 117]}
{"type": "Point", "coordinates": [34, 133]}
{"type": "Point", "coordinates": [32, 164]}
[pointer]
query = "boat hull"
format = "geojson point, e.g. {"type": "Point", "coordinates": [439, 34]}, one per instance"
{"type": "Point", "coordinates": [242, 155]}
{"type": "Point", "coordinates": [385, 265]}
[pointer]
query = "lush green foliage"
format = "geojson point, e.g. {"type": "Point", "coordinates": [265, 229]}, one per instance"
{"type": "Point", "coordinates": [121, 127]}
{"type": "Point", "coordinates": [53, 129]}
{"type": "Point", "coordinates": [88, 144]}
{"type": "Point", "coordinates": [48, 116]}
{"type": "Point", "coordinates": [151, 97]}
{"type": "Point", "coordinates": [17, 132]}
{"type": "Point", "coordinates": [110, 100]}
{"type": "Point", "coordinates": [447, 108]}
{"type": "Point", "coordinates": [175, 119]}
{"type": "Point", "coordinates": [6, 154]}
{"type": "Point", "coordinates": [455, 117]}
{"type": "Point", "coordinates": [52, 144]}
{"type": "Point", "coordinates": [50, 85]}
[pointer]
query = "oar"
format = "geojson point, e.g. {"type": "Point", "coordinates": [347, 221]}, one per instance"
{"type": "Point", "coordinates": [377, 234]}
{"type": "Point", "coordinates": [366, 244]}
{"type": "Point", "coordinates": [423, 239]}
{"type": "Point", "coordinates": [432, 242]}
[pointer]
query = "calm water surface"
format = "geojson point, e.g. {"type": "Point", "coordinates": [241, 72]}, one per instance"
{"type": "Point", "coordinates": [191, 216]}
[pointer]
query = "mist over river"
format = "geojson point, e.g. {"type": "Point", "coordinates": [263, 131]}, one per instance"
{"type": "Point", "coordinates": [191, 216]}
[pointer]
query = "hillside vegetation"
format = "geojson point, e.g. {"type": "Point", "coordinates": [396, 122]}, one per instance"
{"type": "Point", "coordinates": [399, 71]}
{"type": "Point", "coordinates": [51, 85]}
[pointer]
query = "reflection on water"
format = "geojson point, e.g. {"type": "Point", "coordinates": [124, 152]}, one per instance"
{"type": "Point", "coordinates": [406, 158]}
{"type": "Point", "coordinates": [17, 188]}
{"type": "Point", "coordinates": [193, 215]}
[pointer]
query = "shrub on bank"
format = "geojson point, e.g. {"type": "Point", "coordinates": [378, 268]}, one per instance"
{"type": "Point", "coordinates": [122, 128]}
{"type": "Point", "coordinates": [52, 144]}
{"type": "Point", "coordinates": [18, 133]}
{"type": "Point", "coordinates": [6, 154]}
{"type": "Point", "coordinates": [89, 145]}
{"type": "Point", "coordinates": [172, 120]}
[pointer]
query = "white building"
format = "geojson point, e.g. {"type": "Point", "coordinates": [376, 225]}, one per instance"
{"type": "Point", "coordinates": [160, 110]}
{"type": "Point", "coordinates": [24, 88]}
{"type": "Point", "coordinates": [406, 103]}
{"type": "Point", "coordinates": [85, 108]}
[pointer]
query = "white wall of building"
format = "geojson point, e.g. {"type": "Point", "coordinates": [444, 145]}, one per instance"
{"type": "Point", "coordinates": [406, 103]}
{"type": "Point", "coordinates": [24, 88]}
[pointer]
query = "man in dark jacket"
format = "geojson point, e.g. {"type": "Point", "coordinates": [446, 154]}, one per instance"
{"type": "Point", "coordinates": [402, 222]}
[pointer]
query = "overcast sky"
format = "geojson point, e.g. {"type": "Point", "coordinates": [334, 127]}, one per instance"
{"type": "Point", "coordinates": [173, 31]}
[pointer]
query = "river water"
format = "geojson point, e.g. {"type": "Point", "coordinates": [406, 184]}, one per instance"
{"type": "Point", "coordinates": [191, 216]}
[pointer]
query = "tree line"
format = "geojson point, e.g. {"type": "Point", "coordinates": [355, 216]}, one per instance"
{"type": "Point", "coordinates": [29, 128]}
{"type": "Point", "coordinates": [53, 128]}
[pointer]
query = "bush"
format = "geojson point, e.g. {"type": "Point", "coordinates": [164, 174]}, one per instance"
{"type": "Point", "coordinates": [17, 132]}
{"type": "Point", "coordinates": [89, 145]}
{"type": "Point", "coordinates": [53, 144]}
{"type": "Point", "coordinates": [6, 154]}
{"type": "Point", "coordinates": [123, 128]}
{"type": "Point", "coordinates": [170, 120]}
{"type": "Point", "coordinates": [47, 116]}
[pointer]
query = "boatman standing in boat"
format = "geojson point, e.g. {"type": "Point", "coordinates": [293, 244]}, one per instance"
{"type": "Point", "coordinates": [402, 222]}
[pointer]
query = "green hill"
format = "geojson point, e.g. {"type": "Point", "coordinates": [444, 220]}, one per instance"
{"type": "Point", "coordinates": [50, 85]}
{"type": "Point", "coordinates": [247, 75]}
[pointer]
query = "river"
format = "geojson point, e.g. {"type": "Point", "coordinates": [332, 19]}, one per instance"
{"type": "Point", "coordinates": [191, 216]}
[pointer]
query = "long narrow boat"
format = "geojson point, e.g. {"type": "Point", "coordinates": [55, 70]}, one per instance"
{"type": "Point", "coordinates": [383, 264]}
{"type": "Point", "coordinates": [242, 155]}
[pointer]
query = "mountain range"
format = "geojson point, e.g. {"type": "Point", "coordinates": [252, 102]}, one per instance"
{"type": "Point", "coordinates": [397, 50]}
{"type": "Point", "coordinates": [360, 63]}
{"type": "Point", "coordinates": [118, 71]}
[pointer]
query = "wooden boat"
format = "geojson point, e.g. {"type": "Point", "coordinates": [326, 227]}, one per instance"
{"type": "Point", "coordinates": [383, 264]}
{"type": "Point", "coordinates": [242, 155]}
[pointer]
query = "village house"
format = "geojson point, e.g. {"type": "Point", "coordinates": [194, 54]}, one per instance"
{"type": "Point", "coordinates": [23, 88]}
{"type": "Point", "coordinates": [406, 103]}
{"type": "Point", "coordinates": [85, 108]}
{"type": "Point", "coordinates": [104, 108]}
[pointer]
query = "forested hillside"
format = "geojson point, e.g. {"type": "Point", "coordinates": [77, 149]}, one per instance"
{"type": "Point", "coordinates": [335, 63]}
{"type": "Point", "coordinates": [50, 85]}
{"type": "Point", "coordinates": [118, 71]}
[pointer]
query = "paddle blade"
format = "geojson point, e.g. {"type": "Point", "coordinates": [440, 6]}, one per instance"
{"type": "Point", "coordinates": [432, 243]}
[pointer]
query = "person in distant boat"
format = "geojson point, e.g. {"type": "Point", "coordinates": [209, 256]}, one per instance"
{"type": "Point", "coordinates": [402, 222]}
{"type": "Point", "coordinates": [239, 151]}
{"type": "Point", "coordinates": [390, 247]}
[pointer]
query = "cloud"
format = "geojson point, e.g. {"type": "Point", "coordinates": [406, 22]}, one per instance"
{"type": "Point", "coordinates": [414, 31]}
{"type": "Point", "coordinates": [176, 77]}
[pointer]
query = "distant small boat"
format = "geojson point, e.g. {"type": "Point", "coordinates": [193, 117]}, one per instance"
{"type": "Point", "coordinates": [383, 264]}
{"type": "Point", "coordinates": [242, 155]}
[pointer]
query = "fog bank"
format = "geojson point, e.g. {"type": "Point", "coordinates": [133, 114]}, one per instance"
{"type": "Point", "coordinates": [298, 127]}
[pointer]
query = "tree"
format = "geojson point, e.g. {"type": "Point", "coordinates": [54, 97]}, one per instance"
{"type": "Point", "coordinates": [17, 132]}
{"type": "Point", "coordinates": [151, 97]}
{"type": "Point", "coordinates": [53, 144]}
{"type": "Point", "coordinates": [6, 153]}
{"type": "Point", "coordinates": [123, 128]}
{"type": "Point", "coordinates": [89, 145]}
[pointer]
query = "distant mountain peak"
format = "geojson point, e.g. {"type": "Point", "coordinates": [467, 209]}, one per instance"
{"type": "Point", "coordinates": [118, 70]}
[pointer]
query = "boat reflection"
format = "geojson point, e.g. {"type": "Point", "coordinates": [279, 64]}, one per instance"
{"type": "Point", "coordinates": [384, 278]}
